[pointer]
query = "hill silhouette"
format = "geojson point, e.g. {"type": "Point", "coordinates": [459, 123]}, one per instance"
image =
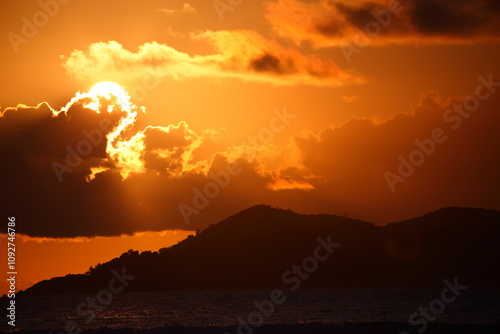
{"type": "Point", "coordinates": [252, 250]}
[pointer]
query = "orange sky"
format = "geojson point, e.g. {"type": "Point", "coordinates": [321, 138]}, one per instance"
{"type": "Point", "coordinates": [43, 258]}
{"type": "Point", "coordinates": [312, 106]}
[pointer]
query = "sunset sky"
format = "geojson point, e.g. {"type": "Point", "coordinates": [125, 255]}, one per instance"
{"type": "Point", "coordinates": [382, 110]}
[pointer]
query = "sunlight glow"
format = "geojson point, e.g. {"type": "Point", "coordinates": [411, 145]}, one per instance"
{"type": "Point", "coordinates": [124, 151]}
{"type": "Point", "coordinates": [121, 148]}
{"type": "Point", "coordinates": [94, 171]}
{"type": "Point", "coordinates": [107, 90]}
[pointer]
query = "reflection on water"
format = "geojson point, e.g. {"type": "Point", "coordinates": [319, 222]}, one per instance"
{"type": "Point", "coordinates": [210, 308]}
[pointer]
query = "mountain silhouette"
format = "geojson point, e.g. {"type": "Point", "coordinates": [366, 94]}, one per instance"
{"type": "Point", "coordinates": [254, 248]}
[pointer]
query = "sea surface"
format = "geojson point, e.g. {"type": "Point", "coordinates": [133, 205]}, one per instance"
{"type": "Point", "coordinates": [228, 308]}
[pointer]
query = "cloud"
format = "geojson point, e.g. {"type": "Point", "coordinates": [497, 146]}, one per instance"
{"type": "Point", "coordinates": [284, 184]}
{"type": "Point", "coordinates": [71, 176]}
{"type": "Point", "coordinates": [186, 9]}
{"type": "Point", "coordinates": [32, 140]}
{"type": "Point", "coordinates": [68, 168]}
{"type": "Point", "coordinates": [328, 23]}
{"type": "Point", "coordinates": [239, 55]}
{"type": "Point", "coordinates": [170, 149]}
{"type": "Point", "coordinates": [145, 174]}
{"type": "Point", "coordinates": [351, 162]}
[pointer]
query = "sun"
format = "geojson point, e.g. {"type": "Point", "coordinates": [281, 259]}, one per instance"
{"type": "Point", "coordinates": [107, 90]}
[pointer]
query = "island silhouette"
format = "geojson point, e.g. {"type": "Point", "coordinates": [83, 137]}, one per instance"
{"type": "Point", "coordinates": [254, 248]}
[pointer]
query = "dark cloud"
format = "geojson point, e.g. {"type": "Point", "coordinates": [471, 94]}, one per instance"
{"type": "Point", "coordinates": [428, 17]}
{"type": "Point", "coordinates": [358, 16]}
{"type": "Point", "coordinates": [340, 170]}
{"type": "Point", "coordinates": [269, 63]}
{"type": "Point", "coordinates": [62, 201]}
{"type": "Point", "coordinates": [35, 139]}
{"type": "Point", "coordinates": [337, 22]}
{"type": "Point", "coordinates": [41, 131]}
{"type": "Point", "coordinates": [448, 17]}
{"type": "Point", "coordinates": [169, 149]}
{"type": "Point", "coordinates": [351, 161]}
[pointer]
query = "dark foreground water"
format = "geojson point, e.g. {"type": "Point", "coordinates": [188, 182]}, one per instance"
{"type": "Point", "coordinates": [306, 311]}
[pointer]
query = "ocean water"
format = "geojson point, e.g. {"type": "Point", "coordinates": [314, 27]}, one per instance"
{"type": "Point", "coordinates": [223, 308]}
